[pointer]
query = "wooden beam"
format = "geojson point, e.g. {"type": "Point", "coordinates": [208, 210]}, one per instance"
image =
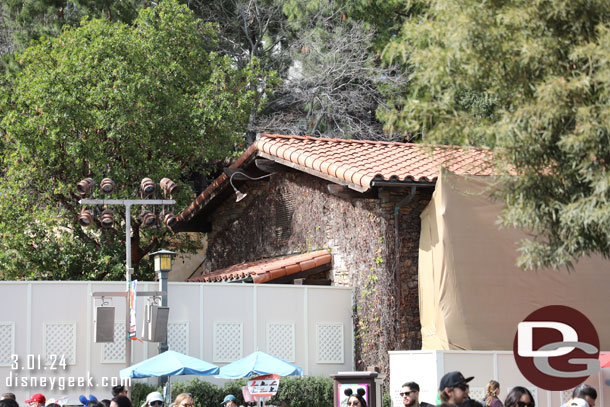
{"type": "Point", "coordinates": [267, 165]}
{"type": "Point", "coordinates": [343, 191]}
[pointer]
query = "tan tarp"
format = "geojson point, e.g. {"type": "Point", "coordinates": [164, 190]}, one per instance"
{"type": "Point", "coordinates": [471, 294]}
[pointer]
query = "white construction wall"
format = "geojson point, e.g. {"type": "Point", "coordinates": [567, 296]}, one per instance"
{"type": "Point", "coordinates": [427, 367]}
{"type": "Point", "coordinates": [308, 326]}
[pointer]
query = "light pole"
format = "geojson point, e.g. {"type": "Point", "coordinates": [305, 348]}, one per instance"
{"type": "Point", "coordinates": [147, 188]}
{"type": "Point", "coordinates": [163, 262]}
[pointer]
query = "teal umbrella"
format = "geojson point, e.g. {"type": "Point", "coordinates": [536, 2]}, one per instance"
{"type": "Point", "coordinates": [258, 363]}
{"type": "Point", "coordinates": [169, 363]}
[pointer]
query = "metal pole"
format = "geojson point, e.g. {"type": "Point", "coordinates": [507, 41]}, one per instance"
{"type": "Point", "coordinates": [128, 281]}
{"type": "Point", "coordinates": [128, 270]}
{"type": "Point", "coordinates": [163, 277]}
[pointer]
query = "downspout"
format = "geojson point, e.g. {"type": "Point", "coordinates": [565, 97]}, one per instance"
{"type": "Point", "coordinates": [397, 207]}
{"type": "Point", "coordinates": [398, 297]}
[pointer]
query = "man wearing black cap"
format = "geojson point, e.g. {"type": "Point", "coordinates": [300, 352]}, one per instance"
{"type": "Point", "coordinates": [454, 389]}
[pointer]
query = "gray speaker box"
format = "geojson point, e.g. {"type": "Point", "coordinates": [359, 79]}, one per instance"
{"type": "Point", "coordinates": [154, 328]}
{"type": "Point", "coordinates": [103, 325]}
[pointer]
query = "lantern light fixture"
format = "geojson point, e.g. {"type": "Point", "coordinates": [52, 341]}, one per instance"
{"type": "Point", "coordinates": [163, 260]}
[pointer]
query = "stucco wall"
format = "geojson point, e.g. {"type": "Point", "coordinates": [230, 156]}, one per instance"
{"type": "Point", "coordinates": [293, 212]}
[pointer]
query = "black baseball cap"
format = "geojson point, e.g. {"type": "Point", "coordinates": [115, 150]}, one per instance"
{"type": "Point", "coordinates": [452, 379]}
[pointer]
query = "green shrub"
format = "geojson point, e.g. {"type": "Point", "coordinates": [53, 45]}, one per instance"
{"type": "Point", "coordinates": [204, 394]}
{"type": "Point", "coordinates": [310, 391]}
{"type": "Point", "coordinates": [387, 399]}
{"type": "Point", "coordinates": [234, 387]}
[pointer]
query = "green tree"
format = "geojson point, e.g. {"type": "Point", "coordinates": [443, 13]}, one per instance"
{"type": "Point", "coordinates": [22, 21]}
{"type": "Point", "coordinates": [107, 99]}
{"type": "Point", "coordinates": [335, 81]}
{"type": "Point", "coordinates": [250, 30]}
{"type": "Point", "coordinates": [531, 79]}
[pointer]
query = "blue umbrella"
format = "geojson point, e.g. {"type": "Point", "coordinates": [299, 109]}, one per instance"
{"type": "Point", "coordinates": [169, 363]}
{"type": "Point", "coordinates": [258, 363]}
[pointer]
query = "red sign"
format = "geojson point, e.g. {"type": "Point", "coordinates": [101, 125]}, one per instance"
{"type": "Point", "coordinates": [264, 386]}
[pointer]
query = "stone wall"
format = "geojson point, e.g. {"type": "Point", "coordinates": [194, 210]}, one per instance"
{"type": "Point", "coordinates": [293, 212]}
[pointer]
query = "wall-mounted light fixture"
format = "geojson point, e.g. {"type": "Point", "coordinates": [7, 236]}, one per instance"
{"type": "Point", "coordinates": [238, 194]}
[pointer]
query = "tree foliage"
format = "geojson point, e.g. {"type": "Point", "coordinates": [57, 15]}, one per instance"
{"type": "Point", "coordinates": [108, 99]}
{"type": "Point", "coordinates": [22, 21]}
{"type": "Point", "coordinates": [335, 86]}
{"type": "Point", "coordinates": [336, 81]}
{"type": "Point", "coordinates": [531, 79]}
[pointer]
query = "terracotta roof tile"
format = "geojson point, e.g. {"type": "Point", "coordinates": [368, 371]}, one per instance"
{"type": "Point", "coordinates": [343, 159]}
{"type": "Point", "coordinates": [357, 162]}
{"type": "Point", "coordinates": [266, 270]}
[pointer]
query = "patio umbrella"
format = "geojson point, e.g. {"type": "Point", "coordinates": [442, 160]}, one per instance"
{"type": "Point", "coordinates": [169, 363]}
{"type": "Point", "coordinates": [258, 363]}
{"type": "Point", "coordinates": [604, 359]}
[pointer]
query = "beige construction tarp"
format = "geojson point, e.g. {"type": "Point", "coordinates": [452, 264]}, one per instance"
{"type": "Point", "coordinates": [471, 293]}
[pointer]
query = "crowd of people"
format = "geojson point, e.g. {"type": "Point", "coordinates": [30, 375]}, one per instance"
{"type": "Point", "coordinates": [119, 399]}
{"type": "Point", "coordinates": [454, 391]}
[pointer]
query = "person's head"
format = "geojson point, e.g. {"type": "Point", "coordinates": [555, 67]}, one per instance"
{"type": "Point", "coordinates": [454, 387]}
{"type": "Point", "coordinates": [154, 399]}
{"type": "Point", "coordinates": [229, 401]}
{"type": "Point", "coordinates": [184, 400]}
{"type": "Point", "coordinates": [410, 394]}
{"type": "Point", "coordinates": [53, 405]}
{"type": "Point", "coordinates": [120, 401]}
{"type": "Point", "coordinates": [355, 399]}
{"type": "Point", "coordinates": [8, 396]}
{"type": "Point", "coordinates": [519, 397]}
{"type": "Point", "coordinates": [105, 402]}
{"type": "Point", "coordinates": [37, 400]}
{"type": "Point", "coordinates": [119, 391]}
{"type": "Point", "coordinates": [8, 402]}
{"type": "Point", "coordinates": [491, 390]}
{"type": "Point", "coordinates": [586, 392]}
{"type": "Point", "coordinates": [88, 402]}
{"type": "Point", "coordinates": [577, 402]}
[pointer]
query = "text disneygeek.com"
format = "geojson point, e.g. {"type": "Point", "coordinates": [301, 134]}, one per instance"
{"type": "Point", "coordinates": [60, 383]}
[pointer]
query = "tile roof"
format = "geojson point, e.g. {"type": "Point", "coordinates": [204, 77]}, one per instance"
{"type": "Point", "coordinates": [266, 270]}
{"type": "Point", "coordinates": [355, 163]}
{"type": "Point", "coordinates": [360, 162]}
